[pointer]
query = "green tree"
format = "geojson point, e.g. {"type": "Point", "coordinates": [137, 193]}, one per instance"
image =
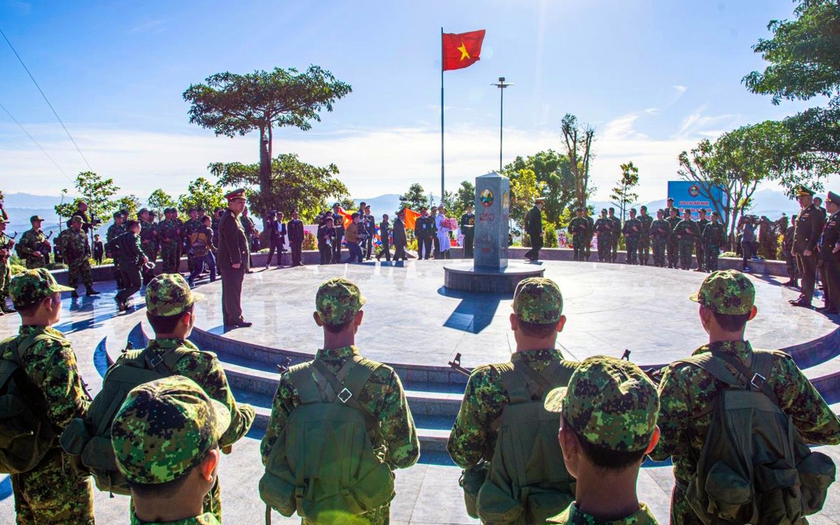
{"type": "Point", "coordinates": [159, 200]}
{"type": "Point", "coordinates": [524, 188]}
{"type": "Point", "coordinates": [201, 193]}
{"type": "Point", "coordinates": [553, 170]}
{"type": "Point", "coordinates": [415, 198]}
{"type": "Point", "coordinates": [578, 138]}
{"type": "Point", "coordinates": [464, 196]}
{"type": "Point", "coordinates": [623, 194]}
{"type": "Point", "coordinates": [232, 104]}
{"type": "Point", "coordinates": [94, 190]}
{"type": "Point", "coordinates": [295, 185]}
{"type": "Point", "coordinates": [129, 203]}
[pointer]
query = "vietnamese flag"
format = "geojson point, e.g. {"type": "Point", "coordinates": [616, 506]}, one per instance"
{"type": "Point", "coordinates": [461, 50]}
{"type": "Point", "coordinates": [410, 218]}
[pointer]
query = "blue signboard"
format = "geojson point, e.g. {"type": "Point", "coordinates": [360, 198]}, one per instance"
{"type": "Point", "coordinates": [690, 195]}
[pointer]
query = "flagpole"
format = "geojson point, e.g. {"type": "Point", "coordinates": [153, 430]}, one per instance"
{"type": "Point", "coordinates": [441, 117]}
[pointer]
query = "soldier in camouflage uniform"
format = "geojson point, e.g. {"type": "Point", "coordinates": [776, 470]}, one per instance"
{"type": "Point", "coordinates": [686, 234]}
{"type": "Point", "coordinates": [338, 304]}
{"type": "Point", "coordinates": [700, 242]}
{"type": "Point", "coordinates": [714, 236]}
{"type": "Point", "coordinates": [169, 235]}
{"type": "Point", "coordinates": [6, 245]}
{"type": "Point", "coordinates": [607, 426]}
{"type": "Point", "coordinates": [579, 230]}
{"type": "Point", "coordinates": [660, 232]}
{"type": "Point", "coordinates": [603, 228]}
{"type": "Point", "coordinates": [34, 246]}
{"type": "Point", "coordinates": [148, 241]}
{"type": "Point", "coordinates": [632, 230]}
{"type": "Point", "coordinates": [191, 226]}
{"type": "Point", "coordinates": [169, 306]}
{"type": "Point", "coordinates": [114, 231]}
{"type": "Point", "coordinates": [686, 392]}
{"type": "Point", "coordinates": [644, 238]}
{"type": "Point", "coordinates": [166, 442]}
{"type": "Point", "coordinates": [615, 236]}
{"type": "Point", "coordinates": [536, 320]}
{"type": "Point", "coordinates": [673, 244]}
{"type": "Point", "coordinates": [53, 492]}
{"type": "Point", "coordinates": [75, 249]}
{"type": "Point", "coordinates": [587, 250]}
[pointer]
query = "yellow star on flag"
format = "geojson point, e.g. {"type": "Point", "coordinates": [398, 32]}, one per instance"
{"type": "Point", "coordinates": [463, 50]}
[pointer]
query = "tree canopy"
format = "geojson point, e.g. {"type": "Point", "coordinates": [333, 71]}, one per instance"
{"type": "Point", "coordinates": [96, 191]}
{"type": "Point", "coordinates": [415, 198]}
{"type": "Point", "coordinates": [553, 171]}
{"type": "Point", "coordinates": [201, 193]}
{"type": "Point", "coordinates": [578, 138]}
{"type": "Point", "coordinates": [159, 200]}
{"type": "Point", "coordinates": [623, 194]}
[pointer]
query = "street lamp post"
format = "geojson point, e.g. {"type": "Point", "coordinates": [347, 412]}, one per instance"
{"type": "Point", "coordinates": [501, 85]}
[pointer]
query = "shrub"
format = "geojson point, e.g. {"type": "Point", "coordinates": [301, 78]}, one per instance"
{"type": "Point", "coordinates": [309, 241]}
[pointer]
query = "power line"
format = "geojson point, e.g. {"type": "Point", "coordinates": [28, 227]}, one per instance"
{"type": "Point", "coordinates": [46, 99]}
{"type": "Point", "coordinates": [35, 141]}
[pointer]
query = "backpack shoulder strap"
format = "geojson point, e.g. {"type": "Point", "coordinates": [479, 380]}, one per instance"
{"type": "Point", "coordinates": [712, 364]}
{"type": "Point", "coordinates": [754, 376]}
{"type": "Point", "coordinates": [163, 364]}
{"type": "Point", "coordinates": [514, 383]}
{"type": "Point", "coordinates": [25, 344]}
{"type": "Point", "coordinates": [304, 382]}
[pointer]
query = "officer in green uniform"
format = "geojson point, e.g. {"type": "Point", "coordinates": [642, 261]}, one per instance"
{"type": "Point", "coordinates": [534, 229]}
{"type": "Point", "coordinates": [660, 232]}
{"type": "Point", "coordinates": [714, 237]}
{"type": "Point", "coordinates": [191, 226]}
{"type": "Point", "coordinates": [632, 231]}
{"type": "Point", "coordinates": [468, 229]}
{"type": "Point", "coordinates": [170, 460]}
{"type": "Point", "coordinates": [686, 392]}
{"type": "Point", "coordinates": [672, 218]}
{"type": "Point", "coordinates": [686, 234]}
{"type": "Point", "coordinates": [806, 235]}
{"type": "Point", "coordinates": [607, 426]}
{"type": "Point", "coordinates": [830, 255]}
{"type": "Point", "coordinates": [148, 240]}
{"type": "Point", "coordinates": [588, 244]}
{"type": "Point", "coordinates": [169, 235]}
{"type": "Point", "coordinates": [579, 230]}
{"type": "Point", "coordinates": [615, 235]}
{"type": "Point", "coordinates": [75, 249]}
{"type": "Point", "coordinates": [114, 231]}
{"type": "Point", "coordinates": [700, 242]}
{"type": "Point", "coordinates": [536, 320]}
{"type": "Point", "coordinates": [131, 260]}
{"type": "Point", "coordinates": [338, 311]}
{"type": "Point", "coordinates": [34, 247]}
{"type": "Point", "coordinates": [644, 237]}
{"type": "Point", "coordinates": [52, 492]}
{"type": "Point", "coordinates": [170, 311]}
{"type": "Point", "coordinates": [603, 229]}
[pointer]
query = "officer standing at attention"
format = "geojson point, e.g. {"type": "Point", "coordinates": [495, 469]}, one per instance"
{"type": "Point", "coordinates": [579, 230]}
{"type": "Point", "coordinates": [806, 234]}
{"type": "Point", "coordinates": [700, 243]}
{"type": "Point", "coordinates": [400, 239]}
{"type": "Point", "coordinates": [233, 260]}
{"type": "Point", "coordinates": [673, 246]}
{"type": "Point", "coordinates": [295, 229]}
{"type": "Point", "coordinates": [603, 229]}
{"type": "Point", "coordinates": [34, 247]}
{"type": "Point", "coordinates": [644, 237]}
{"type": "Point", "coordinates": [534, 229]}
{"type": "Point", "coordinates": [467, 225]}
{"type": "Point", "coordinates": [148, 240]}
{"type": "Point", "coordinates": [338, 224]}
{"type": "Point", "coordinates": [75, 249]}
{"type": "Point", "coordinates": [686, 234]}
{"type": "Point", "coordinates": [727, 303]}
{"type": "Point", "coordinates": [714, 236]}
{"type": "Point", "coordinates": [171, 460]}
{"type": "Point", "coordinates": [616, 234]}
{"type": "Point", "coordinates": [607, 427]}
{"type": "Point", "coordinates": [536, 367]}
{"type": "Point", "coordinates": [660, 231]}
{"type": "Point", "coordinates": [423, 228]}
{"type": "Point", "coordinates": [829, 248]}
{"type": "Point", "coordinates": [169, 235]}
{"type": "Point", "coordinates": [632, 230]}
{"type": "Point", "coordinates": [53, 491]}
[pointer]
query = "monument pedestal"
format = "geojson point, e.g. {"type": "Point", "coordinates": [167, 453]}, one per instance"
{"type": "Point", "coordinates": [466, 277]}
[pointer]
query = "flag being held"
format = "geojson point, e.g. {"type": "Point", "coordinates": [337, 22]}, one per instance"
{"type": "Point", "coordinates": [461, 50]}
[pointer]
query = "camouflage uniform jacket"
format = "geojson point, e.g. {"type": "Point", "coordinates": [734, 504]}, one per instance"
{"type": "Point", "coordinates": [75, 248]}
{"type": "Point", "coordinates": [632, 228]}
{"type": "Point", "coordinates": [169, 232]}
{"type": "Point", "coordinates": [30, 242]}
{"type": "Point", "coordinates": [51, 367]}
{"type": "Point", "coordinates": [190, 226]}
{"type": "Point", "coordinates": [205, 519]}
{"type": "Point", "coordinates": [701, 225]}
{"type": "Point", "coordinates": [382, 397]}
{"type": "Point", "coordinates": [206, 370]}
{"type": "Point", "coordinates": [5, 244]}
{"type": "Point", "coordinates": [473, 436]}
{"type": "Point", "coordinates": [114, 231]}
{"type": "Point", "coordinates": [646, 221]}
{"type": "Point", "coordinates": [672, 222]}
{"type": "Point", "coordinates": [686, 231]}
{"type": "Point", "coordinates": [148, 232]}
{"type": "Point", "coordinates": [603, 226]}
{"type": "Point", "coordinates": [579, 227]}
{"type": "Point", "coordinates": [616, 224]}
{"type": "Point", "coordinates": [714, 234]}
{"type": "Point", "coordinates": [687, 390]}
{"type": "Point", "coordinates": [660, 229]}
{"type": "Point", "coordinates": [573, 516]}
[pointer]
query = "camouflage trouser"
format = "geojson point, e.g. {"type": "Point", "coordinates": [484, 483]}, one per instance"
{"type": "Point", "coordinates": [587, 248]}
{"type": "Point", "coordinates": [614, 248]}
{"type": "Point", "coordinates": [578, 246]}
{"type": "Point", "coordinates": [169, 256]}
{"type": "Point", "coordinates": [644, 250]}
{"type": "Point", "coordinates": [659, 252]}
{"type": "Point", "coordinates": [79, 268]}
{"type": "Point", "coordinates": [632, 244]}
{"type": "Point", "coordinates": [53, 494]}
{"type": "Point", "coordinates": [685, 254]}
{"type": "Point", "coordinates": [700, 250]}
{"type": "Point", "coordinates": [673, 253]}
{"type": "Point", "coordinates": [712, 253]}
{"type": "Point", "coordinates": [681, 513]}
{"type": "Point", "coordinates": [5, 277]}
{"type": "Point", "coordinates": [604, 243]}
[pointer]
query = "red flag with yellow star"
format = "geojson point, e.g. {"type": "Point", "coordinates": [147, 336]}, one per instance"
{"type": "Point", "coordinates": [461, 50]}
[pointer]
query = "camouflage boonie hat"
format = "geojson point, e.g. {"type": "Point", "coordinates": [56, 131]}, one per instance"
{"type": "Point", "coordinates": [164, 428]}
{"type": "Point", "coordinates": [727, 292]}
{"type": "Point", "coordinates": [538, 300]}
{"type": "Point", "coordinates": [33, 286]}
{"type": "Point", "coordinates": [338, 300]}
{"type": "Point", "coordinates": [169, 294]}
{"type": "Point", "coordinates": [610, 403]}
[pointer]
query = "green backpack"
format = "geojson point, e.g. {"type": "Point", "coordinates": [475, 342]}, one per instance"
{"type": "Point", "coordinates": [323, 465]}
{"type": "Point", "coordinates": [754, 466]}
{"type": "Point", "coordinates": [26, 434]}
{"type": "Point", "coordinates": [527, 481]}
{"type": "Point", "coordinates": [90, 438]}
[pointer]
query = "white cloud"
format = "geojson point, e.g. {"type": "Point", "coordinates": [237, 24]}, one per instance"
{"type": "Point", "coordinates": [680, 89]}
{"type": "Point", "coordinates": [147, 27]}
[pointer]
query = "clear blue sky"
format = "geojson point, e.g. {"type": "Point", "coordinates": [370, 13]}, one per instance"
{"type": "Point", "coordinates": [654, 77]}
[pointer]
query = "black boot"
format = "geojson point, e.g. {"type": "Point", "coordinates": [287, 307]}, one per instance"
{"type": "Point", "coordinates": [91, 291]}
